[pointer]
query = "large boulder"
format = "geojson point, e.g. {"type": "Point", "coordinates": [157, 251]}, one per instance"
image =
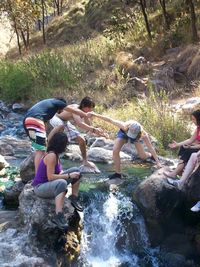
{"type": "Point", "coordinates": [99, 154]}
{"type": "Point", "coordinates": [27, 169]}
{"type": "Point", "coordinates": [37, 214]}
{"type": "Point", "coordinates": [157, 200]}
{"type": "Point", "coordinates": [191, 188]}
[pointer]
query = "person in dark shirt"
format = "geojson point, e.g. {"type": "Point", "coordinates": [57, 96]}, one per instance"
{"type": "Point", "coordinates": [35, 123]}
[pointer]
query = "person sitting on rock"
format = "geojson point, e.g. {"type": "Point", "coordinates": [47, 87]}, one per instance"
{"type": "Point", "coordinates": [191, 166]}
{"type": "Point", "coordinates": [35, 121]}
{"type": "Point", "coordinates": [86, 105]}
{"type": "Point", "coordinates": [129, 131]}
{"type": "Point", "coordinates": [187, 147]}
{"type": "Point", "coordinates": [51, 182]}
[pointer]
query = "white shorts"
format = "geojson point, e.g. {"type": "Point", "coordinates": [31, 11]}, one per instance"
{"type": "Point", "coordinates": [70, 129]}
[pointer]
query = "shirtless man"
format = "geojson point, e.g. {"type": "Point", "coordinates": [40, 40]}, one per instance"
{"type": "Point", "coordinates": [66, 117]}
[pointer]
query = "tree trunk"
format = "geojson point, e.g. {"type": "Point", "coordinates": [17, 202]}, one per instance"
{"type": "Point", "coordinates": [57, 4]}
{"type": "Point", "coordinates": [165, 15]}
{"type": "Point", "coordinates": [61, 6]}
{"type": "Point", "coordinates": [24, 39]}
{"type": "Point", "coordinates": [193, 21]}
{"type": "Point", "coordinates": [15, 27]}
{"type": "Point", "coordinates": [43, 21]}
{"type": "Point", "coordinates": [18, 41]}
{"type": "Point", "coordinates": [143, 4]}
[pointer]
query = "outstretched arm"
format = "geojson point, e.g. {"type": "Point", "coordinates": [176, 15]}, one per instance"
{"type": "Point", "coordinates": [76, 111]}
{"type": "Point", "coordinates": [187, 142]}
{"type": "Point", "coordinates": [151, 149]}
{"type": "Point", "coordinates": [120, 124]}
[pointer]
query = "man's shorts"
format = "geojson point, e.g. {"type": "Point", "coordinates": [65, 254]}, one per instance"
{"type": "Point", "coordinates": [35, 129]}
{"type": "Point", "coordinates": [70, 130]}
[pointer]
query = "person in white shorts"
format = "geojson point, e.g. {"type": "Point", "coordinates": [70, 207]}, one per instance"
{"type": "Point", "coordinates": [64, 118]}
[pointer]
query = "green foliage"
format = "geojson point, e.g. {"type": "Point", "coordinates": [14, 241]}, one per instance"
{"type": "Point", "coordinates": [36, 77]}
{"type": "Point", "coordinates": [160, 121]}
{"type": "Point", "coordinates": [50, 69]}
{"type": "Point", "coordinates": [15, 81]}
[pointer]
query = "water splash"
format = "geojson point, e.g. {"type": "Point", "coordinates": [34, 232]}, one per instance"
{"type": "Point", "coordinates": [104, 226]}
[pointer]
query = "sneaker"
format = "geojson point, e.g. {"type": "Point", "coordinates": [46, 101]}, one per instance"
{"type": "Point", "coordinates": [114, 176]}
{"type": "Point", "coordinates": [173, 182]}
{"type": "Point", "coordinates": [196, 207]}
{"type": "Point", "coordinates": [75, 203]}
{"type": "Point", "coordinates": [60, 221]}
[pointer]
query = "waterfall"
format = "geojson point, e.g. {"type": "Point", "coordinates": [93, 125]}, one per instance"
{"type": "Point", "coordinates": [106, 241]}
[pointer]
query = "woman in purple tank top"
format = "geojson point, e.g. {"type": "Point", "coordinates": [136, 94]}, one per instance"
{"type": "Point", "coordinates": [51, 182]}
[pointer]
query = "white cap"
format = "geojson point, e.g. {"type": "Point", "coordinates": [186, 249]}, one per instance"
{"type": "Point", "coordinates": [134, 129]}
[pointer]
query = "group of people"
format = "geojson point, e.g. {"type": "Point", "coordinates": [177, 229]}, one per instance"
{"type": "Point", "coordinates": [189, 156]}
{"type": "Point", "coordinates": [50, 180]}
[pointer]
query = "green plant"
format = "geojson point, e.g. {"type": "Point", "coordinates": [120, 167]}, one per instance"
{"type": "Point", "coordinates": [159, 120]}
{"type": "Point", "coordinates": [15, 81]}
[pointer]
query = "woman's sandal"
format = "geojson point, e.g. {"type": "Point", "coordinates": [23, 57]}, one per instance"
{"type": "Point", "coordinates": [173, 182]}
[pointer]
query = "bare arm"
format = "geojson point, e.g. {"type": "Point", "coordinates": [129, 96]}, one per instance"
{"type": "Point", "coordinates": [120, 124]}
{"type": "Point", "coordinates": [186, 142]}
{"type": "Point", "coordinates": [76, 111]}
{"type": "Point", "coordinates": [151, 149]}
{"type": "Point", "coordinates": [50, 161]}
{"type": "Point", "coordinates": [82, 124]}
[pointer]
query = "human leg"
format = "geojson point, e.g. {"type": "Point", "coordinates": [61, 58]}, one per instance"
{"type": "Point", "coordinates": [177, 171]}
{"type": "Point", "coordinates": [56, 189]}
{"type": "Point", "coordinates": [189, 167]}
{"type": "Point", "coordinates": [59, 202]}
{"type": "Point", "coordinates": [82, 145]}
{"type": "Point", "coordinates": [141, 152]}
{"type": "Point", "coordinates": [74, 196]}
{"type": "Point", "coordinates": [119, 142]}
{"type": "Point", "coordinates": [75, 182]}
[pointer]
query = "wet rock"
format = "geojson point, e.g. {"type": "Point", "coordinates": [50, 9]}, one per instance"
{"type": "Point", "coordinates": [174, 260]}
{"type": "Point", "coordinates": [37, 214]}
{"type": "Point", "coordinates": [18, 107]}
{"type": "Point", "coordinates": [157, 201]}
{"type": "Point", "coordinates": [3, 163]}
{"type": "Point", "coordinates": [87, 169]}
{"type": "Point", "coordinates": [99, 154]}
{"type": "Point", "coordinates": [27, 169]}
{"type": "Point", "coordinates": [73, 153]}
{"type": "Point", "coordinates": [11, 146]}
{"type": "Point", "coordinates": [191, 105]}
{"type": "Point", "coordinates": [191, 188]}
{"type": "Point", "coordinates": [103, 142]}
{"type": "Point", "coordinates": [8, 218]}
{"type": "Point", "coordinates": [11, 194]}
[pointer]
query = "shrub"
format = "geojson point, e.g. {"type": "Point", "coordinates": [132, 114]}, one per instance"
{"type": "Point", "coordinates": [50, 69]}
{"type": "Point", "coordinates": [160, 121]}
{"type": "Point", "coordinates": [15, 81]}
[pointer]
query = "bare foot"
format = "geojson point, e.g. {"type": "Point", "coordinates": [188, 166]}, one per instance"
{"type": "Point", "coordinates": [89, 164]}
{"type": "Point", "coordinates": [170, 174]}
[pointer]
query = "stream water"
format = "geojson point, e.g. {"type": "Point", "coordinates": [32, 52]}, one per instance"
{"type": "Point", "coordinates": [114, 234]}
